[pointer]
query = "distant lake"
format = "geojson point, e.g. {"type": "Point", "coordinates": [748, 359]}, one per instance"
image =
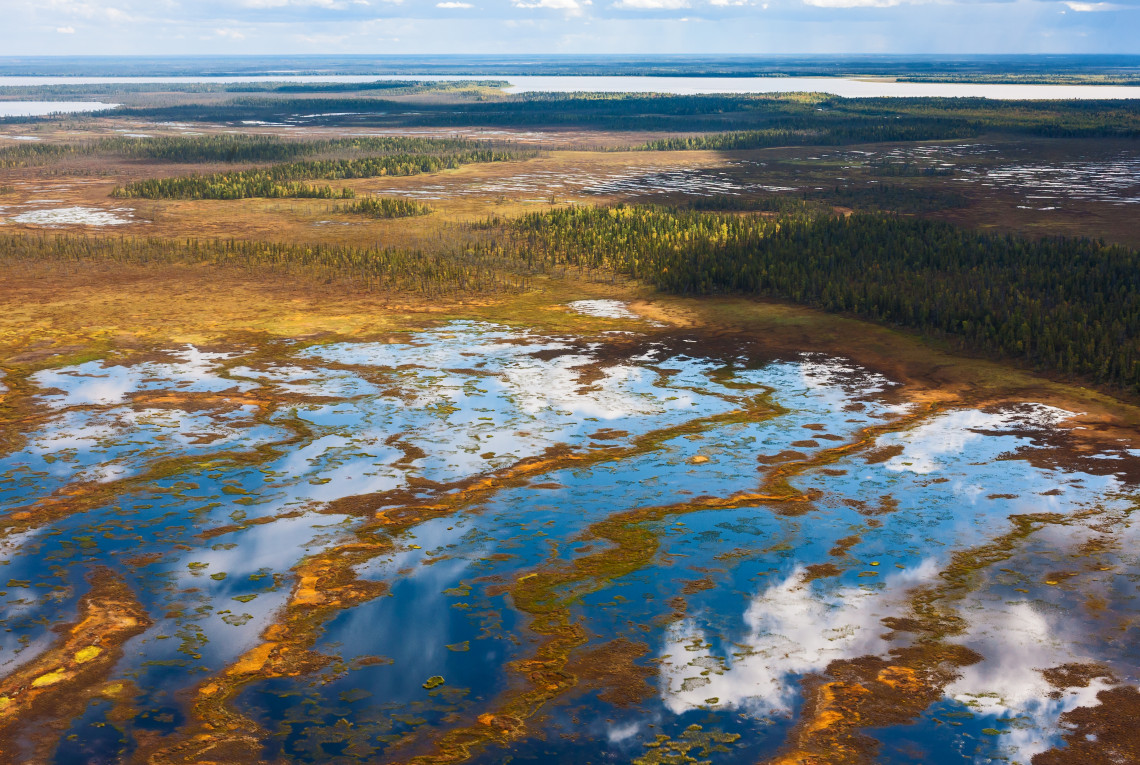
{"type": "Point", "coordinates": [41, 108]}
{"type": "Point", "coordinates": [849, 88]}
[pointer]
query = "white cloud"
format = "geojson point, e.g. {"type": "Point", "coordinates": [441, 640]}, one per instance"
{"type": "Point", "coordinates": [1091, 7]}
{"type": "Point", "coordinates": [454, 5]}
{"type": "Point", "coordinates": [652, 5]}
{"type": "Point", "coordinates": [230, 34]}
{"type": "Point", "coordinates": [558, 5]}
{"type": "Point", "coordinates": [287, 3]}
{"type": "Point", "coordinates": [88, 10]}
{"type": "Point", "coordinates": [853, 3]}
{"type": "Point", "coordinates": [65, 30]}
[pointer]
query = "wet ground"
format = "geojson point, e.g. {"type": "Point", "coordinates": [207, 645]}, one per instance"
{"type": "Point", "coordinates": [1040, 181]}
{"type": "Point", "coordinates": [480, 543]}
{"type": "Point", "coordinates": [51, 205]}
{"type": "Point", "coordinates": [583, 183]}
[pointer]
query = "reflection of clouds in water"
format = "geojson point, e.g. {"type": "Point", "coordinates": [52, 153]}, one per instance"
{"type": "Point", "coordinates": [106, 445]}
{"type": "Point", "coordinates": [818, 370]}
{"type": "Point", "coordinates": [344, 474]}
{"type": "Point", "coordinates": [619, 733]}
{"type": "Point", "coordinates": [474, 396]}
{"type": "Point", "coordinates": [556, 384]}
{"type": "Point", "coordinates": [950, 434]}
{"type": "Point", "coordinates": [603, 309]}
{"type": "Point", "coordinates": [70, 432]}
{"type": "Point", "coordinates": [85, 387]}
{"type": "Point", "coordinates": [792, 630]}
{"type": "Point", "coordinates": [308, 382]}
{"type": "Point", "coordinates": [259, 550]}
{"type": "Point", "coordinates": [105, 473]}
{"type": "Point", "coordinates": [1016, 642]}
{"type": "Point", "coordinates": [96, 382]}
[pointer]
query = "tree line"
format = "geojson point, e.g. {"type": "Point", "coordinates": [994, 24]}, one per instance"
{"type": "Point", "coordinates": [288, 179]}
{"type": "Point", "coordinates": [800, 118]}
{"type": "Point", "coordinates": [231, 148]}
{"type": "Point", "coordinates": [1064, 305]}
{"type": "Point", "coordinates": [1068, 306]}
{"type": "Point", "coordinates": [463, 271]}
{"type": "Point", "coordinates": [385, 207]}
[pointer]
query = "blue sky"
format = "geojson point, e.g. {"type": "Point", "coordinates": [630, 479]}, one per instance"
{"type": "Point", "coordinates": [160, 27]}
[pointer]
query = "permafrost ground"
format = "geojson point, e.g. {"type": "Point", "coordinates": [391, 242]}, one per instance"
{"type": "Point", "coordinates": [474, 541]}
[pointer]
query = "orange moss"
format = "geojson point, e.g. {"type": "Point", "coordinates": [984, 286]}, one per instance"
{"type": "Point", "coordinates": [56, 686]}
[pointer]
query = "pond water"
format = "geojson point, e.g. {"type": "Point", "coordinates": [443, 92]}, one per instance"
{"type": "Point", "coordinates": [618, 548]}
{"type": "Point", "coordinates": [584, 182]}
{"type": "Point", "coordinates": [71, 216]}
{"type": "Point", "coordinates": [839, 86]}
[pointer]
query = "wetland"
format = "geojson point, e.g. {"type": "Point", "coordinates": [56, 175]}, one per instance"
{"type": "Point", "coordinates": [543, 444]}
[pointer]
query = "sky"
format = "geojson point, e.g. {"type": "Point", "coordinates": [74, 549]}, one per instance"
{"type": "Point", "coordinates": [759, 27]}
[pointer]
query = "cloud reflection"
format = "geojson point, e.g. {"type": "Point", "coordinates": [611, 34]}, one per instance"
{"type": "Point", "coordinates": [792, 629]}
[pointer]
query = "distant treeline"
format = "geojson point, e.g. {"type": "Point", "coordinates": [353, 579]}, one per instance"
{"type": "Point", "coordinates": [240, 184]}
{"type": "Point", "coordinates": [1064, 305]}
{"type": "Point", "coordinates": [464, 271]}
{"type": "Point", "coordinates": [810, 65]}
{"type": "Point", "coordinates": [392, 87]}
{"type": "Point", "coordinates": [884, 197]}
{"type": "Point", "coordinates": [1006, 78]}
{"type": "Point", "coordinates": [230, 148]}
{"type": "Point", "coordinates": [287, 180]}
{"type": "Point", "coordinates": [385, 207]}
{"type": "Point", "coordinates": [775, 118]}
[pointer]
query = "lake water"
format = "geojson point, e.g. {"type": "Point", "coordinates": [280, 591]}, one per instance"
{"type": "Point", "coordinates": [850, 88]}
{"type": "Point", "coordinates": [560, 550]}
{"type": "Point", "coordinates": [44, 108]}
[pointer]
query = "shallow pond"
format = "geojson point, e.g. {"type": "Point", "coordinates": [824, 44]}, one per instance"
{"type": "Point", "coordinates": [630, 547]}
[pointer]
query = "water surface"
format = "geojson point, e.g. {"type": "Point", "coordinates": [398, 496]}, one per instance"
{"type": "Point", "coordinates": [839, 86]}
{"type": "Point", "coordinates": [730, 601]}
{"type": "Point", "coordinates": [45, 108]}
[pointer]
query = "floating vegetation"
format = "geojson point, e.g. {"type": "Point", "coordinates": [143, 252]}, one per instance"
{"type": "Point", "coordinates": [665, 750]}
